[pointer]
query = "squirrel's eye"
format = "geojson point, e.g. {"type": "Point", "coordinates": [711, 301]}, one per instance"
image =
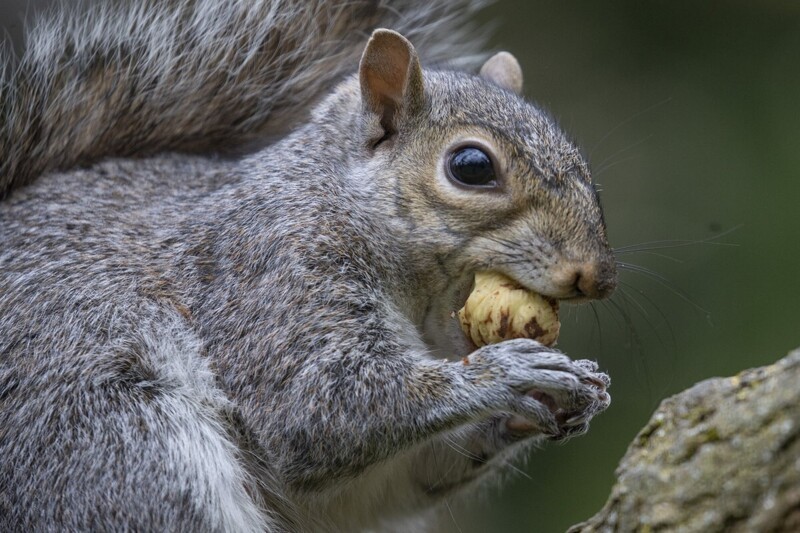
{"type": "Point", "coordinates": [472, 166]}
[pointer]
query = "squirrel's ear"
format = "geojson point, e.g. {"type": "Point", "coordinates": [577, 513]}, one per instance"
{"type": "Point", "coordinates": [391, 77]}
{"type": "Point", "coordinates": [503, 69]}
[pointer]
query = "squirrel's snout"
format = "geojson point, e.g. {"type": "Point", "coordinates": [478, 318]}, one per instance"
{"type": "Point", "coordinates": [593, 280]}
{"type": "Point", "coordinates": [596, 282]}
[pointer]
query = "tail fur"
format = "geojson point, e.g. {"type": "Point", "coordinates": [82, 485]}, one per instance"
{"type": "Point", "coordinates": [139, 77]}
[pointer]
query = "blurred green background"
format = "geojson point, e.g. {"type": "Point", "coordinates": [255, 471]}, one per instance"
{"type": "Point", "coordinates": [690, 114]}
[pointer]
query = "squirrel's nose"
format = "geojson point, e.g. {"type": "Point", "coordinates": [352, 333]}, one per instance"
{"type": "Point", "coordinates": [593, 283]}
{"type": "Point", "coordinates": [587, 279]}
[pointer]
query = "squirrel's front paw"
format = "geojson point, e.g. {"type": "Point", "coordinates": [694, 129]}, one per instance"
{"type": "Point", "coordinates": [544, 390]}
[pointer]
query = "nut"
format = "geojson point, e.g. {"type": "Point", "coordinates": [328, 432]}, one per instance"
{"type": "Point", "coordinates": [499, 309]}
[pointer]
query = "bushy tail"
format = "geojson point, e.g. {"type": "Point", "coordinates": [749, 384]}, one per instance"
{"type": "Point", "coordinates": [134, 78]}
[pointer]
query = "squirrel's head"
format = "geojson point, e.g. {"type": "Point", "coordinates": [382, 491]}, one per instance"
{"type": "Point", "coordinates": [478, 178]}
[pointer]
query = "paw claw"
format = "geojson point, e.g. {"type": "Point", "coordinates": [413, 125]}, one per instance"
{"type": "Point", "coordinates": [548, 393]}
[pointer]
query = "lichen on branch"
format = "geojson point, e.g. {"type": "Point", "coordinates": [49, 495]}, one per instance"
{"type": "Point", "coordinates": [723, 455]}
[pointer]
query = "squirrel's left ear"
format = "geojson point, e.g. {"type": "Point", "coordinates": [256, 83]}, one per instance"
{"type": "Point", "coordinates": [391, 78]}
{"type": "Point", "coordinates": [503, 69]}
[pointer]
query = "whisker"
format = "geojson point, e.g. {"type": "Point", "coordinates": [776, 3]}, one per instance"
{"type": "Point", "coordinates": [452, 516]}
{"type": "Point", "coordinates": [600, 171]}
{"type": "Point", "coordinates": [634, 337]}
{"type": "Point", "coordinates": [642, 311]}
{"type": "Point", "coordinates": [507, 464]}
{"type": "Point", "coordinates": [642, 270]}
{"type": "Point", "coordinates": [665, 245]}
{"type": "Point", "coordinates": [628, 298]}
{"type": "Point", "coordinates": [626, 121]}
{"type": "Point", "coordinates": [604, 303]}
{"type": "Point", "coordinates": [600, 166]}
{"type": "Point", "coordinates": [513, 261]}
{"type": "Point", "coordinates": [466, 453]}
{"type": "Point", "coordinates": [657, 308]}
{"type": "Point", "coordinates": [664, 282]}
{"type": "Point", "coordinates": [656, 254]}
{"type": "Point", "coordinates": [635, 342]}
{"type": "Point", "coordinates": [678, 243]}
{"type": "Point", "coordinates": [446, 501]}
{"type": "Point", "coordinates": [597, 321]}
{"type": "Point", "coordinates": [461, 450]}
{"type": "Point", "coordinates": [501, 240]}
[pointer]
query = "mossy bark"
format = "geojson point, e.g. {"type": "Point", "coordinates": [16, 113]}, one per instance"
{"type": "Point", "coordinates": [723, 455]}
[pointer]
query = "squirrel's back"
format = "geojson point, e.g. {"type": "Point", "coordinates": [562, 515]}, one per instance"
{"type": "Point", "coordinates": [137, 78]}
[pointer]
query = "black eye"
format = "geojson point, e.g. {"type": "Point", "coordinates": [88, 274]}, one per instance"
{"type": "Point", "coordinates": [472, 166]}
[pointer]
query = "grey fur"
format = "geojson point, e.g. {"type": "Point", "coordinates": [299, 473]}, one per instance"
{"type": "Point", "coordinates": [141, 77]}
{"type": "Point", "coordinates": [264, 342]}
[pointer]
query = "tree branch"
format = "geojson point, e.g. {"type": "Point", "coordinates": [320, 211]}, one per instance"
{"type": "Point", "coordinates": [723, 455]}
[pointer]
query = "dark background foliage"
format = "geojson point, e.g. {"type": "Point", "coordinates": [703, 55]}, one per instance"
{"type": "Point", "coordinates": [689, 113]}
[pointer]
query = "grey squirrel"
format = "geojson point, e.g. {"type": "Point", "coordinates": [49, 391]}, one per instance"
{"type": "Point", "coordinates": [230, 255]}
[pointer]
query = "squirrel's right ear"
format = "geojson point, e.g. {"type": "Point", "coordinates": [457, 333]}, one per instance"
{"type": "Point", "coordinates": [391, 78]}
{"type": "Point", "coordinates": [503, 69]}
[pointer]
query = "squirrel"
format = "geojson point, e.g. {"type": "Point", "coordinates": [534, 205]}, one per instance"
{"type": "Point", "coordinates": [233, 235]}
